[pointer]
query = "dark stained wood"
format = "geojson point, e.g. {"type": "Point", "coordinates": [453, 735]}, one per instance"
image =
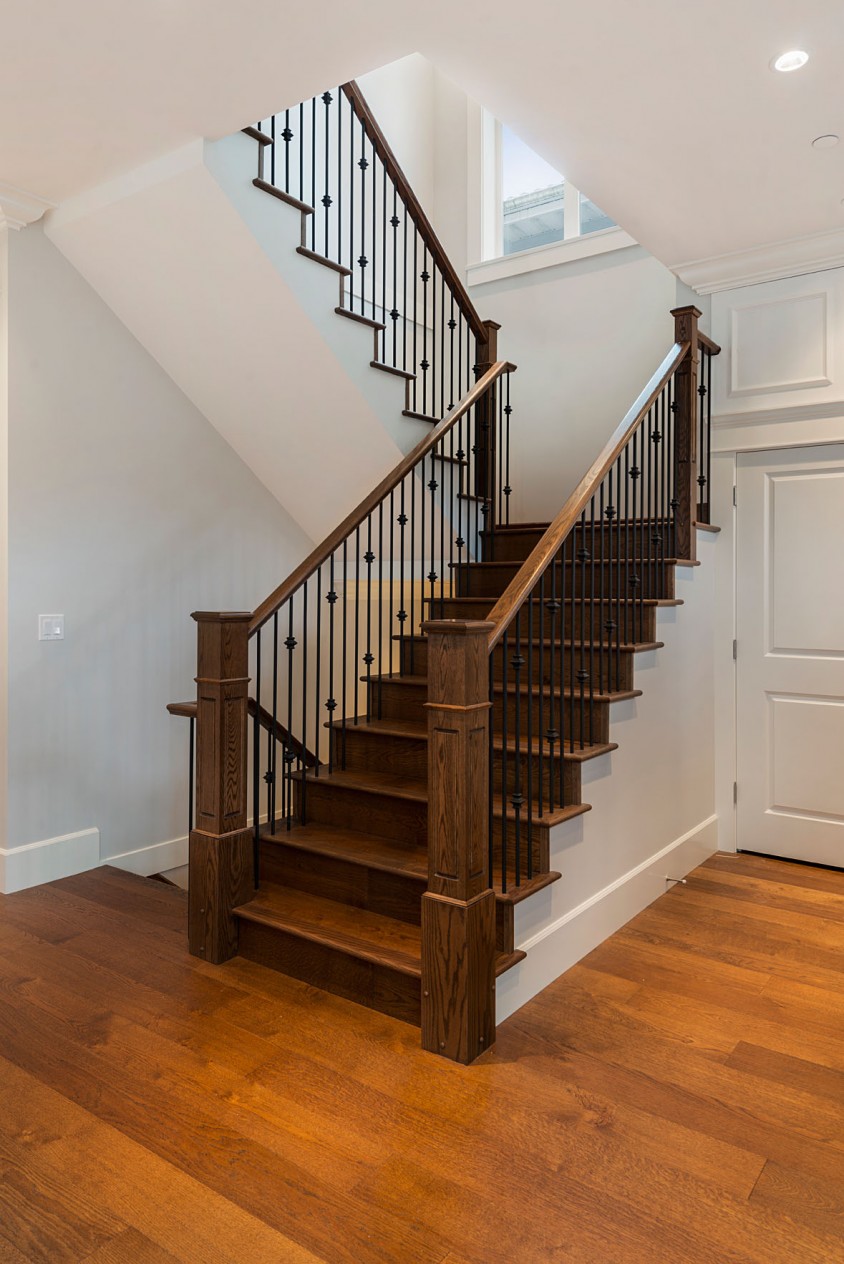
{"type": "Point", "coordinates": [685, 430]}
{"type": "Point", "coordinates": [541, 557]}
{"type": "Point", "coordinates": [220, 849]}
{"type": "Point", "coordinates": [708, 344]}
{"type": "Point", "coordinates": [326, 263]}
{"type": "Point", "coordinates": [458, 909]}
{"type": "Point", "coordinates": [323, 551]}
{"type": "Point", "coordinates": [275, 192]}
{"type": "Point", "coordinates": [154, 1108]}
{"type": "Point", "coordinates": [189, 709]}
{"type": "Point", "coordinates": [256, 134]}
{"type": "Point", "coordinates": [384, 151]}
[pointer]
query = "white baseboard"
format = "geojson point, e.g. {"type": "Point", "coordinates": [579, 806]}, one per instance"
{"type": "Point", "coordinates": [563, 942]}
{"type": "Point", "coordinates": [48, 860]}
{"type": "Point", "coordinates": [153, 859]}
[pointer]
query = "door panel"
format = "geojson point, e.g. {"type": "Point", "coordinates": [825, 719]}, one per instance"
{"type": "Point", "coordinates": [790, 677]}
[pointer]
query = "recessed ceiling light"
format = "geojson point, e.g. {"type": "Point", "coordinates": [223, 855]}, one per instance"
{"type": "Point", "coordinates": [825, 142]}
{"type": "Point", "coordinates": [792, 60]}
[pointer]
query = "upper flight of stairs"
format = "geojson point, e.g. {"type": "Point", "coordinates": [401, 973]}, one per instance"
{"type": "Point", "coordinates": [340, 899]}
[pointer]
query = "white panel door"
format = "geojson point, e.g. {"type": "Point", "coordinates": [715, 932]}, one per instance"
{"type": "Point", "coordinates": [790, 677]}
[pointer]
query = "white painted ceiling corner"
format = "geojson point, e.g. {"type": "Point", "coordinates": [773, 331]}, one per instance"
{"type": "Point", "coordinates": [772, 262]}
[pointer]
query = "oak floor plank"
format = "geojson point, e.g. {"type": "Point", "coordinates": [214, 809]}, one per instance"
{"type": "Point", "coordinates": [677, 1097]}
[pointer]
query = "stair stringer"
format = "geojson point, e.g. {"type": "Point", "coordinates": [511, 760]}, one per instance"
{"type": "Point", "coordinates": [202, 267]}
{"type": "Point", "coordinates": [653, 800]}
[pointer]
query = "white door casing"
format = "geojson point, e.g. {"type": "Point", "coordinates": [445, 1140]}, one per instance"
{"type": "Point", "coordinates": [790, 630]}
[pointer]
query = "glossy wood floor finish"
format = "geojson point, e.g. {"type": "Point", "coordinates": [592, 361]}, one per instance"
{"type": "Point", "coordinates": [677, 1097]}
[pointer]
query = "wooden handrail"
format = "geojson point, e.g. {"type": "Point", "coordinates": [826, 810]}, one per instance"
{"type": "Point", "coordinates": [510, 602]}
{"type": "Point", "coordinates": [382, 147]}
{"type": "Point", "coordinates": [711, 347]}
{"type": "Point", "coordinates": [189, 711]}
{"type": "Point", "coordinates": [323, 551]}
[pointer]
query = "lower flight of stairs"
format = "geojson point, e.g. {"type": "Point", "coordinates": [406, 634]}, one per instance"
{"type": "Point", "coordinates": [339, 905]}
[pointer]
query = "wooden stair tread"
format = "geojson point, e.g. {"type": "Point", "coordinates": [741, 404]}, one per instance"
{"type": "Point", "coordinates": [627, 647]}
{"type": "Point", "coordinates": [621, 695]}
{"type": "Point", "coordinates": [607, 599]}
{"type": "Point", "coordinates": [392, 369]}
{"type": "Point", "coordinates": [358, 932]}
{"type": "Point", "coordinates": [604, 560]}
{"type": "Point", "coordinates": [395, 786]}
{"type": "Point", "coordinates": [266, 187]}
{"type": "Point", "coordinates": [408, 412]}
{"type": "Point", "coordinates": [417, 730]}
{"type": "Point", "coordinates": [361, 320]}
{"type": "Point", "coordinates": [353, 846]}
{"type": "Point", "coordinates": [326, 263]}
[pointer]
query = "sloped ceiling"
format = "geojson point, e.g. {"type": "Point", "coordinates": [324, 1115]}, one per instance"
{"type": "Point", "coordinates": [668, 114]}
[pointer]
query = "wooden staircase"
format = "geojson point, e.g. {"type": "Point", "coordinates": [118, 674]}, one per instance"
{"type": "Point", "coordinates": [340, 899]}
{"type": "Point", "coordinates": [428, 684]}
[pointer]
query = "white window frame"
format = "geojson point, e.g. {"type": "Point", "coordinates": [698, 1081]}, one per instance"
{"type": "Point", "coordinates": [486, 229]}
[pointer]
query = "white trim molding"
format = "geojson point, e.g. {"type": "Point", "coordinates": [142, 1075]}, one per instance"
{"type": "Point", "coordinates": [558, 252]}
{"type": "Point", "coordinates": [562, 943]}
{"type": "Point", "coordinates": [48, 860]}
{"type": "Point", "coordinates": [769, 416]}
{"type": "Point", "coordinates": [773, 262]}
{"type": "Point", "coordinates": [19, 208]}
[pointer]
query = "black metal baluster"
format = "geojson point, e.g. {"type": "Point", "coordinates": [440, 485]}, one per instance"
{"type": "Point", "coordinates": [344, 652]}
{"type": "Point", "coordinates": [412, 559]}
{"type": "Point", "coordinates": [369, 558]}
{"type": "Point", "coordinates": [424, 362]}
{"type": "Point", "coordinates": [391, 624]}
{"type": "Point", "coordinates": [404, 312]}
{"type": "Point", "coordinates": [627, 636]}
{"type": "Point", "coordinates": [362, 259]}
{"type": "Point", "coordinates": [287, 751]}
{"type": "Point", "coordinates": [380, 662]}
{"type": "Point", "coordinates": [504, 759]}
{"type": "Point", "coordinates": [517, 800]}
{"type": "Point", "coordinates": [272, 148]}
{"type": "Point", "coordinates": [402, 616]}
{"type": "Point", "coordinates": [491, 777]}
{"type": "Point", "coordinates": [331, 704]}
{"type": "Point", "coordinates": [356, 660]}
{"type": "Point", "coordinates": [317, 703]}
{"type": "Point", "coordinates": [530, 738]}
{"type": "Point", "coordinates": [374, 256]}
{"type": "Point", "coordinates": [256, 760]}
{"type": "Point", "coordinates": [384, 265]}
{"type": "Point", "coordinates": [603, 605]}
{"type": "Point", "coordinates": [313, 171]}
{"type": "Point", "coordinates": [303, 757]}
{"type": "Point", "coordinates": [442, 345]}
{"type": "Point", "coordinates": [301, 151]}
{"type": "Point", "coordinates": [452, 325]}
{"type": "Point", "coordinates": [432, 575]}
{"type": "Point", "coordinates": [351, 208]}
{"type": "Point", "coordinates": [394, 313]}
{"type": "Point", "coordinates": [543, 736]}
{"type": "Point", "coordinates": [433, 364]}
{"type": "Point", "coordinates": [287, 136]}
{"type": "Point", "coordinates": [191, 762]}
{"type": "Point", "coordinates": [709, 359]}
{"type": "Point", "coordinates": [415, 316]}
{"type": "Point", "coordinates": [326, 195]}
{"type": "Point", "coordinates": [272, 744]}
{"type": "Point", "coordinates": [340, 180]}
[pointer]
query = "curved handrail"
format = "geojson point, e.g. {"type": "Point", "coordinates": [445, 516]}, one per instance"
{"type": "Point", "coordinates": [323, 551]}
{"type": "Point", "coordinates": [513, 598]}
{"type": "Point", "coordinates": [381, 145]}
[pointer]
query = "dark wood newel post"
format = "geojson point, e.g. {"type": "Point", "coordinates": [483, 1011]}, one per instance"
{"type": "Point", "coordinates": [458, 909]}
{"type": "Point", "coordinates": [485, 436]}
{"type": "Point", "coordinates": [221, 874]}
{"type": "Point", "coordinates": [685, 415]}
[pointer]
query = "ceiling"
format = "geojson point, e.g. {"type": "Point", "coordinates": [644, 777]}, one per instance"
{"type": "Point", "coordinates": [668, 114]}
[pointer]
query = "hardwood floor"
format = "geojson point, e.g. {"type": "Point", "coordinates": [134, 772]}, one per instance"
{"type": "Point", "coordinates": [676, 1097]}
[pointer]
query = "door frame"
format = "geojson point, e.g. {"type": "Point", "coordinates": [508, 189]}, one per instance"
{"type": "Point", "coordinates": [732, 437]}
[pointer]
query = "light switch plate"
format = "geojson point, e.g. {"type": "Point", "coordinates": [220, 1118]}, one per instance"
{"type": "Point", "coordinates": [51, 627]}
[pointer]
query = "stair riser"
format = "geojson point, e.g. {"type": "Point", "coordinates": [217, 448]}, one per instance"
{"type": "Point", "coordinates": [528, 774]}
{"type": "Point", "coordinates": [320, 965]}
{"type": "Point", "coordinates": [508, 547]}
{"type": "Point", "coordinates": [383, 814]}
{"type": "Point", "coordinates": [391, 894]}
{"type": "Point", "coordinates": [613, 673]}
{"type": "Point", "coordinates": [636, 623]}
{"type": "Point", "coordinates": [632, 540]}
{"type": "Point", "coordinates": [654, 581]}
{"type": "Point", "coordinates": [391, 701]}
{"type": "Point", "coordinates": [530, 720]}
{"type": "Point", "coordinates": [374, 752]}
{"type": "Point", "coordinates": [539, 842]}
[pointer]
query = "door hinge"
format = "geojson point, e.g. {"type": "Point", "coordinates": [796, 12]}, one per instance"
{"type": "Point", "coordinates": [735, 792]}
{"type": "Point", "coordinates": [735, 494]}
{"type": "Point", "coordinates": [735, 651]}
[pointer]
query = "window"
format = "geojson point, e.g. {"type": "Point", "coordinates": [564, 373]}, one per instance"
{"type": "Point", "coordinates": [538, 206]}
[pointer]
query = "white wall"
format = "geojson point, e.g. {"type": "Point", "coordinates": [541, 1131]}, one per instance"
{"type": "Point", "coordinates": [4, 521]}
{"type": "Point", "coordinates": [126, 512]}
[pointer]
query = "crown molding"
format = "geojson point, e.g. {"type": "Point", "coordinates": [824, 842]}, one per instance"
{"type": "Point", "coordinates": [773, 262]}
{"type": "Point", "coordinates": [19, 208]}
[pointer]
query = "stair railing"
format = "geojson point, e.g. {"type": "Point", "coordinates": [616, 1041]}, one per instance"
{"type": "Point", "coordinates": [331, 159]}
{"type": "Point", "coordinates": [321, 651]}
{"type": "Point", "coordinates": [583, 597]}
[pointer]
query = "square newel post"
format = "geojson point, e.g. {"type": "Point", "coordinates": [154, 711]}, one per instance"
{"type": "Point", "coordinates": [458, 909]}
{"type": "Point", "coordinates": [221, 868]}
{"type": "Point", "coordinates": [685, 431]}
{"type": "Point", "coordinates": [485, 436]}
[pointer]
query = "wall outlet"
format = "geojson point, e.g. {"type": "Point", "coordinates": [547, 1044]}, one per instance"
{"type": "Point", "coordinates": [51, 627]}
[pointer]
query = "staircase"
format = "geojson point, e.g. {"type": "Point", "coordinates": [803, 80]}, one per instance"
{"type": "Point", "coordinates": [428, 685]}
